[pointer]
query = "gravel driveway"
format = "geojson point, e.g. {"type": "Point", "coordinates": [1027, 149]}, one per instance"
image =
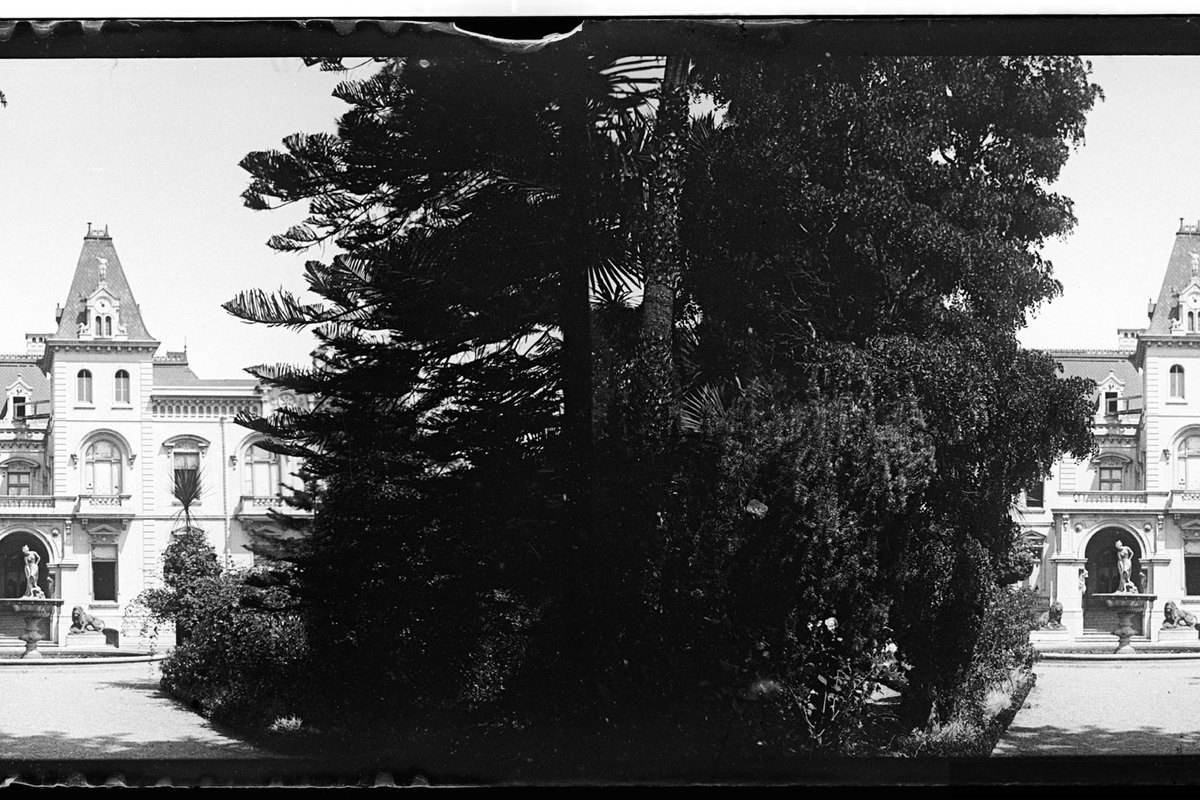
{"type": "Point", "coordinates": [103, 712]}
{"type": "Point", "coordinates": [1143, 708]}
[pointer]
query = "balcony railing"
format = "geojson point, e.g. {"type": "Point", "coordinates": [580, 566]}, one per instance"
{"type": "Point", "coordinates": [259, 504]}
{"type": "Point", "coordinates": [1109, 498]}
{"type": "Point", "coordinates": [26, 501]}
{"type": "Point", "coordinates": [104, 501]}
{"type": "Point", "coordinates": [261, 501]}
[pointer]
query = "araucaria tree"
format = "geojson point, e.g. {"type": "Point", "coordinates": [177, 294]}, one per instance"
{"type": "Point", "coordinates": [477, 200]}
{"type": "Point", "coordinates": [819, 411]}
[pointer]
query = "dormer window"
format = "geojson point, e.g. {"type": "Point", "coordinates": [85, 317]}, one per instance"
{"type": "Point", "coordinates": [1110, 404]}
{"type": "Point", "coordinates": [18, 407]}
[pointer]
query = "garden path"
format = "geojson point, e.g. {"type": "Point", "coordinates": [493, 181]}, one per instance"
{"type": "Point", "coordinates": [1142, 708]}
{"type": "Point", "coordinates": [95, 712]}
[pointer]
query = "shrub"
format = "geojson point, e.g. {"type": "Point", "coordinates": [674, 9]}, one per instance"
{"type": "Point", "coordinates": [1003, 645]}
{"type": "Point", "coordinates": [242, 663]}
{"type": "Point", "coordinates": [189, 566]}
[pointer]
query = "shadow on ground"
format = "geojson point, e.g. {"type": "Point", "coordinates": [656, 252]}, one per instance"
{"type": "Point", "coordinates": [1093, 740]}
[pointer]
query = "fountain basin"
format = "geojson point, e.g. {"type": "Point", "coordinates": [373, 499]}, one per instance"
{"type": "Point", "coordinates": [1126, 604]}
{"type": "Point", "coordinates": [32, 610]}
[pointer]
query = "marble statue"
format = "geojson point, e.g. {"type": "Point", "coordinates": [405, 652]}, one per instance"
{"type": "Point", "coordinates": [1124, 568]}
{"type": "Point", "coordinates": [32, 560]}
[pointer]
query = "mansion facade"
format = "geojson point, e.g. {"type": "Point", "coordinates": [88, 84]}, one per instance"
{"type": "Point", "coordinates": [1142, 487]}
{"type": "Point", "coordinates": [95, 426]}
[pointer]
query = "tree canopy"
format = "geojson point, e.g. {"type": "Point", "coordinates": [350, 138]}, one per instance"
{"type": "Point", "coordinates": [817, 409]}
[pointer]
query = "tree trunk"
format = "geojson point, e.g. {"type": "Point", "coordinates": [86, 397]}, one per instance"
{"type": "Point", "coordinates": [656, 370]}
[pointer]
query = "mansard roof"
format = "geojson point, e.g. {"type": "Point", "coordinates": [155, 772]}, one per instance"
{"type": "Point", "coordinates": [1176, 279]}
{"type": "Point", "coordinates": [97, 245]}
{"type": "Point", "coordinates": [173, 370]}
{"type": "Point", "coordinates": [27, 369]}
{"type": "Point", "coordinates": [1097, 364]}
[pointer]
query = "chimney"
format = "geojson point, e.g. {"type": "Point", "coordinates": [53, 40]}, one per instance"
{"type": "Point", "coordinates": [1127, 339]}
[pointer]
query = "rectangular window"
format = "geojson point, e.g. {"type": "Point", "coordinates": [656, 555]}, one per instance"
{"type": "Point", "coordinates": [104, 572]}
{"type": "Point", "coordinates": [1191, 574]}
{"type": "Point", "coordinates": [1110, 404]}
{"type": "Point", "coordinates": [18, 483]}
{"type": "Point", "coordinates": [1035, 495]}
{"type": "Point", "coordinates": [1110, 479]}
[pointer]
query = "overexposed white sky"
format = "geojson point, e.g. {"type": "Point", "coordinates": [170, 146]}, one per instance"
{"type": "Point", "coordinates": [150, 147]}
{"type": "Point", "coordinates": [1137, 174]}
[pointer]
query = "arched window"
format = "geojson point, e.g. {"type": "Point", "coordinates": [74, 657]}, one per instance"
{"type": "Point", "coordinates": [99, 330]}
{"type": "Point", "coordinates": [1188, 464]}
{"type": "Point", "coordinates": [108, 326]}
{"type": "Point", "coordinates": [185, 458]}
{"type": "Point", "coordinates": [121, 387]}
{"type": "Point", "coordinates": [1177, 381]}
{"type": "Point", "coordinates": [102, 468]}
{"type": "Point", "coordinates": [84, 389]}
{"type": "Point", "coordinates": [263, 466]}
{"type": "Point", "coordinates": [1191, 322]}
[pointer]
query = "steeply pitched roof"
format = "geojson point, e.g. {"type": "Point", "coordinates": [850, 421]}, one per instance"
{"type": "Point", "coordinates": [1096, 364]}
{"type": "Point", "coordinates": [1178, 275]}
{"type": "Point", "coordinates": [97, 245]}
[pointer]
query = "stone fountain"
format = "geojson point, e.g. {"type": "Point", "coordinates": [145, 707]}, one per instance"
{"type": "Point", "coordinates": [1126, 601]}
{"type": "Point", "coordinates": [33, 610]}
{"type": "Point", "coordinates": [1126, 604]}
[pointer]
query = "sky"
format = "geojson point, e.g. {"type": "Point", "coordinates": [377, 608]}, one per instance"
{"type": "Point", "coordinates": [150, 147]}
{"type": "Point", "coordinates": [1136, 175]}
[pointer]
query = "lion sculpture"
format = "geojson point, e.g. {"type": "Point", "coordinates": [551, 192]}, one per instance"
{"type": "Point", "coordinates": [1176, 617]}
{"type": "Point", "coordinates": [81, 621]}
{"type": "Point", "coordinates": [1051, 619]}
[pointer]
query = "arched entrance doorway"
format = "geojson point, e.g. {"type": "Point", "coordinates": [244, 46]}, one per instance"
{"type": "Point", "coordinates": [12, 564]}
{"type": "Point", "coordinates": [1104, 576]}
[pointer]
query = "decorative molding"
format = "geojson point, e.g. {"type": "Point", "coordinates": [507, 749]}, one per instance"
{"type": "Point", "coordinates": [103, 537]}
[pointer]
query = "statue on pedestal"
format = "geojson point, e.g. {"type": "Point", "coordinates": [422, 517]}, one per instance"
{"type": "Point", "coordinates": [1124, 568]}
{"type": "Point", "coordinates": [32, 560]}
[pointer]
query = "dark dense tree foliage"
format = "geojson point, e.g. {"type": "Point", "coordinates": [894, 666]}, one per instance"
{"type": "Point", "coordinates": [819, 410]}
{"type": "Point", "coordinates": [898, 206]}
